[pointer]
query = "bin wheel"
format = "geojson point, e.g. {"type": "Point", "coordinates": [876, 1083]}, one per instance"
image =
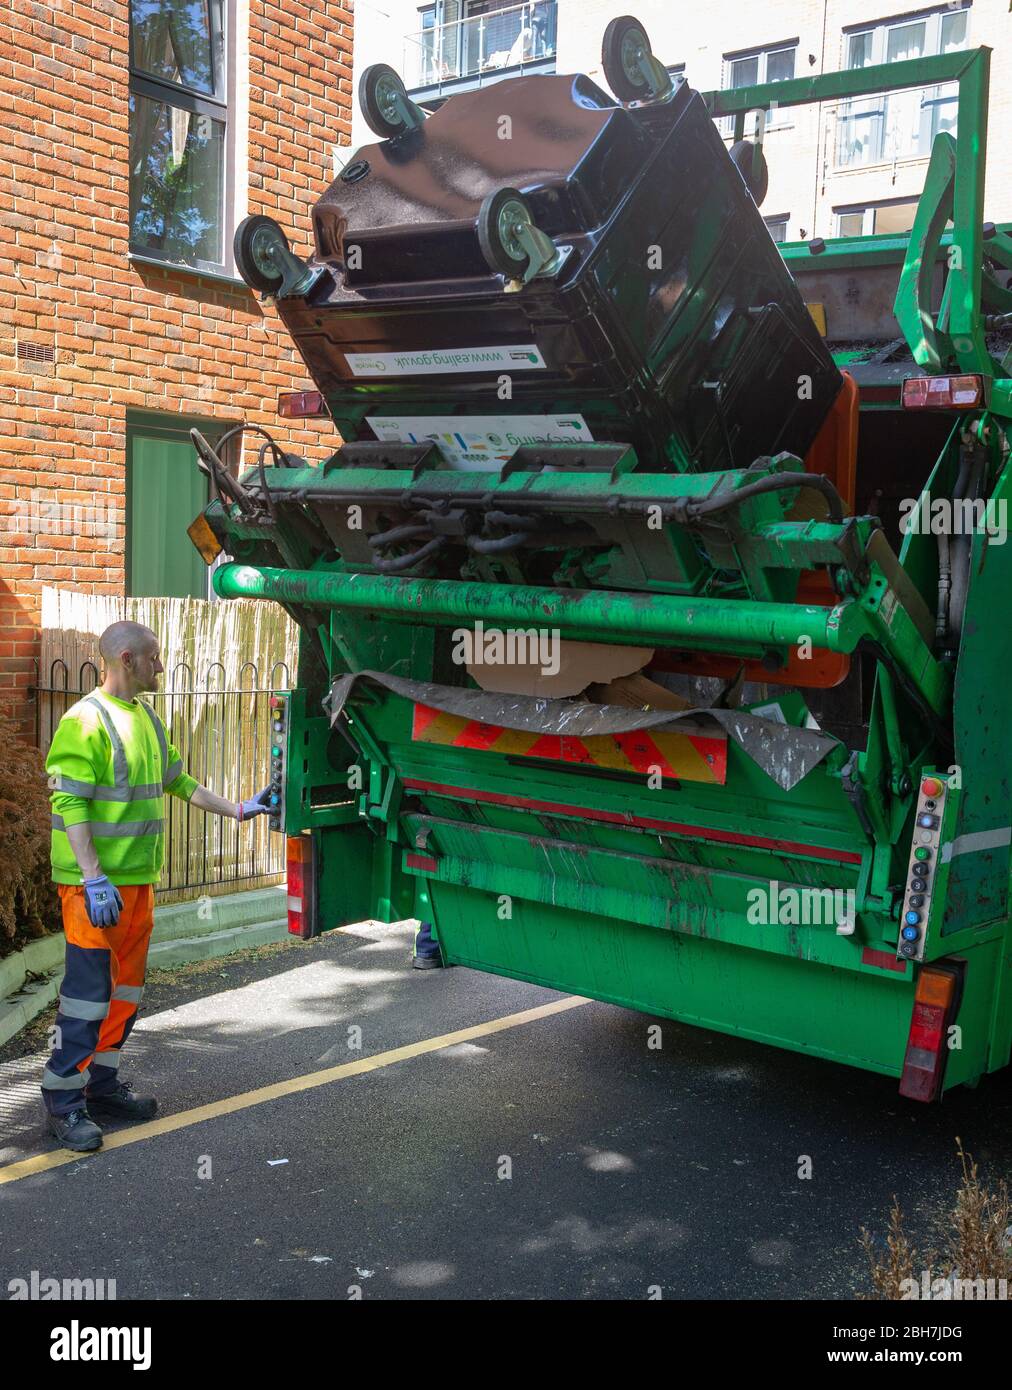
{"type": "Point", "coordinates": [253, 238]}
{"type": "Point", "coordinates": [378, 87]}
{"type": "Point", "coordinates": [623, 39]}
{"type": "Point", "coordinates": [497, 220]}
{"type": "Point", "coordinates": [757, 181]}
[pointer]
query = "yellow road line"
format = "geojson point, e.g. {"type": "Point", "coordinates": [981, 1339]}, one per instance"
{"type": "Point", "coordinates": [42, 1162]}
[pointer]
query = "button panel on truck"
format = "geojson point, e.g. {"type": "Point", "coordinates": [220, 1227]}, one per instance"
{"type": "Point", "coordinates": [279, 744]}
{"type": "Point", "coordinates": [923, 869]}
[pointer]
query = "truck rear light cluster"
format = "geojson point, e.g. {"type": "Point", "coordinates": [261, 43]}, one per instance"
{"type": "Point", "coordinates": [301, 405]}
{"type": "Point", "coordinates": [301, 865]}
{"type": "Point", "coordinates": [943, 392]}
{"type": "Point", "coordinates": [936, 1001]}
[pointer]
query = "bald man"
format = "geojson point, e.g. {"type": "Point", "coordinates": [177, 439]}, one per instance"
{"type": "Point", "coordinates": [110, 765]}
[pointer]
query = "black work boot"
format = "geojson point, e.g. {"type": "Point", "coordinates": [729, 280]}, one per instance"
{"type": "Point", "coordinates": [426, 954]}
{"type": "Point", "coordinates": [77, 1131]}
{"type": "Point", "coordinates": [122, 1104]}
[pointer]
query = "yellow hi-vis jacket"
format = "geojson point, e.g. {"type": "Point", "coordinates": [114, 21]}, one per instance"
{"type": "Point", "coordinates": [110, 764]}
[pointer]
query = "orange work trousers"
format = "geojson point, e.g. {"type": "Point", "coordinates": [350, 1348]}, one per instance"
{"type": "Point", "coordinates": [99, 997]}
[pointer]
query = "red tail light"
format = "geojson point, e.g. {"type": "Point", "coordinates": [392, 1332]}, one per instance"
{"type": "Point", "coordinates": [943, 392]}
{"type": "Point", "coordinates": [936, 1002]}
{"type": "Point", "coordinates": [301, 405]}
{"type": "Point", "coordinates": [301, 864]}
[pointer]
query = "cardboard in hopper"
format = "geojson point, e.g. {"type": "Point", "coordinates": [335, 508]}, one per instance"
{"type": "Point", "coordinates": [579, 664]}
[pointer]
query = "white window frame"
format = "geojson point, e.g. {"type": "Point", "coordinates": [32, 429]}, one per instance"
{"type": "Point", "coordinates": [785, 218]}
{"type": "Point", "coordinates": [929, 96]}
{"type": "Point", "coordinates": [782, 120]}
{"type": "Point", "coordinates": [233, 111]}
{"type": "Point", "coordinates": [868, 212]}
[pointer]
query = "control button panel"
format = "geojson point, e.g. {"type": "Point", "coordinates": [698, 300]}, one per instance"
{"type": "Point", "coordinates": [279, 747]}
{"type": "Point", "coordinates": [923, 868]}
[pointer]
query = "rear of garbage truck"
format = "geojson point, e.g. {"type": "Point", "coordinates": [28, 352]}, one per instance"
{"type": "Point", "coordinates": [654, 608]}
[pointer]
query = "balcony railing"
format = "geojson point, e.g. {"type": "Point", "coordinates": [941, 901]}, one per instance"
{"type": "Point", "coordinates": [480, 47]}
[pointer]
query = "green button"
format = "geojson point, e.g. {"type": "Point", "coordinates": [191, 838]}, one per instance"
{"type": "Point", "coordinates": [922, 853]}
{"type": "Point", "coordinates": [277, 753]}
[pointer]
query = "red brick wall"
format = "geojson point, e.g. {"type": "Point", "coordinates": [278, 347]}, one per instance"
{"type": "Point", "coordinates": [128, 335]}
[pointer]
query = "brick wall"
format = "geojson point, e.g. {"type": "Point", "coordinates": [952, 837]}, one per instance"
{"type": "Point", "coordinates": [121, 334]}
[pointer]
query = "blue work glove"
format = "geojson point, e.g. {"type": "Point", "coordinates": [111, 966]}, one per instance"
{"type": "Point", "coordinates": [102, 901]}
{"type": "Point", "coordinates": [256, 805]}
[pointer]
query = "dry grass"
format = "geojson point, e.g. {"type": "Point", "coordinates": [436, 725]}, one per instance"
{"type": "Point", "coordinates": [971, 1240]}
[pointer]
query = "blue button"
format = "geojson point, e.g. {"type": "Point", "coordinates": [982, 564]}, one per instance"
{"type": "Point", "coordinates": [275, 800]}
{"type": "Point", "coordinates": [911, 933]}
{"type": "Point", "coordinates": [912, 918]}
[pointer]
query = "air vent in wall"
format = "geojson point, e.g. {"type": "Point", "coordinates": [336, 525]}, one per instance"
{"type": "Point", "coordinates": [36, 354]}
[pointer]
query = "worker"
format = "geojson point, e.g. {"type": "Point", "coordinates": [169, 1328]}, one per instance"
{"type": "Point", "coordinates": [110, 765]}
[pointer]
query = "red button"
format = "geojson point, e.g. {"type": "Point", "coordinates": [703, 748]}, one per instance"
{"type": "Point", "coordinates": [931, 786]}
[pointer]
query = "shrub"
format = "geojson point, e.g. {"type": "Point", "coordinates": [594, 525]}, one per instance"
{"type": "Point", "coordinates": [29, 906]}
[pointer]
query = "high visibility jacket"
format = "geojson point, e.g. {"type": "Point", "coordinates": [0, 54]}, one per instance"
{"type": "Point", "coordinates": [110, 765]}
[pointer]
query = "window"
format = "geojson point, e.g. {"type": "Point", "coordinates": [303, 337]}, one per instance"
{"type": "Point", "coordinates": [897, 215]}
{"type": "Point", "coordinates": [428, 70]}
{"type": "Point", "coordinates": [899, 125]}
{"type": "Point", "coordinates": [775, 64]}
{"type": "Point", "coordinates": [164, 492]}
{"type": "Point", "coordinates": [777, 226]}
{"type": "Point", "coordinates": [501, 33]}
{"type": "Point", "coordinates": [178, 130]}
{"type": "Point", "coordinates": [478, 39]}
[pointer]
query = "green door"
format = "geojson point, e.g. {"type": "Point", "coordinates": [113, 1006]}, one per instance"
{"type": "Point", "coordinates": [164, 492]}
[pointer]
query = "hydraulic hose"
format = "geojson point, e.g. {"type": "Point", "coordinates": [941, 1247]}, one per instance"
{"type": "Point", "coordinates": [405, 562]}
{"type": "Point", "coordinates": [967, 487]}
{"type": "Point", "coordinates": [773, 482]}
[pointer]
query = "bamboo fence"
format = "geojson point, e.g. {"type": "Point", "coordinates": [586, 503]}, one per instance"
{"type": "Point", "coordinates": [221, 662]}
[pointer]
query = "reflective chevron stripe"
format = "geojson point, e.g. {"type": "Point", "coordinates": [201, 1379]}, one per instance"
{"type": "Point", "coordinates": [687, 757]}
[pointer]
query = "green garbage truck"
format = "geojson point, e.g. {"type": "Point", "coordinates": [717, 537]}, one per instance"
{"type": "Point", "coordinates": [654, 602]}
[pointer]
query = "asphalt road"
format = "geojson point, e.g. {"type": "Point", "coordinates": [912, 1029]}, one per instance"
{"type": "Point", "coordinates": [560, 1158]}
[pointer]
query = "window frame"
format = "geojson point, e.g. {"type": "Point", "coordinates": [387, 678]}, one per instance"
{"type": "Point", "coordinates": [183, 97]}
{"type": "Point", "coordinates": [932, 16]}
{"type": "Point", "coordinates": [763, 53]}
{"type": "Point", "coordinates": [869, 214]}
